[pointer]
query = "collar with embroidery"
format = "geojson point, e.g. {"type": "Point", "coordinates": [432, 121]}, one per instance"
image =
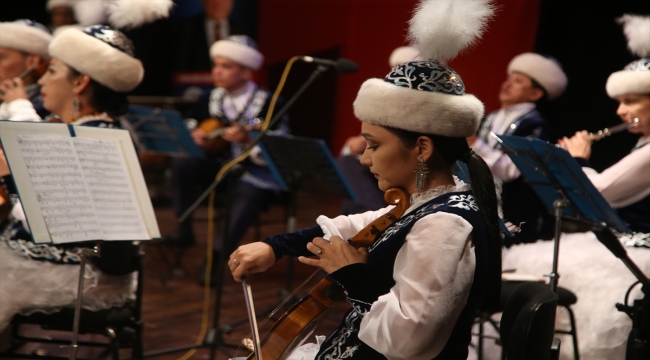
{"type": "Point", "coordinates": [420, 198]}
{"type": "Point", "coordinates": [93, 117]}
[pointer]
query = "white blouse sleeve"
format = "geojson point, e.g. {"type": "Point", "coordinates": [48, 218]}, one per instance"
{"type": "Point", "coordinates": [346, 226]}
{"type": "Point", "coordinates": [434, 271]}
{"type": "Point", "coordinates": [499, 162]}
{"type": "Point", "coordinates": [19, 110]}
{"type": "Point", "coordinates": [625, 182]}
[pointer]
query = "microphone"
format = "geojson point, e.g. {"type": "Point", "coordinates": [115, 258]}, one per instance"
{"type": "Point", "coordinates": [342, 65]}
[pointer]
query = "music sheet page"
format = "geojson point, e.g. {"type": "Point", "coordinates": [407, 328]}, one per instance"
{"type": "Point", "coordinates": [55, 173]}
{"type": "Point", "coordinates": [107, 178]}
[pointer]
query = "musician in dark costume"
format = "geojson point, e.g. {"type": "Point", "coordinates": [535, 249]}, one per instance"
{"type": "Point", "coordinates": [415, 290]}
{"type": "Point", "coordinates": [23, 46]}
{"type": "Point", "coordinates": [86, 83]}
{"type": "Point", "coordinates": [236, 101]}
{"type": "Point", "coordinates": [593, 273]}
{"type": "Point", "coordinates": [532, 78]}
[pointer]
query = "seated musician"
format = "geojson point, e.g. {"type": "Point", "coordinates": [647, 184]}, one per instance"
{"type": "Point", "coordinates": [235, 102]}
{"type": "Point", "coordinates": [586, 267]}
{"type": "Point", "coordinates": [415, 290]}
{"type": "Point", "coordinates": [532, 80]}
{"type": "Point", "coordinates": [82, 92]}
{"type": "Point", "coordinates": [23, 47]}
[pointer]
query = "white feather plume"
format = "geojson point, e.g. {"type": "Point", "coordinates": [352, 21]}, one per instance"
{"type": "Point", "coordinates": [441, 29]}
{"type": "Point", "coordinates": [127, 14]}
{"type": "Point", "coordinates": [637, 31]}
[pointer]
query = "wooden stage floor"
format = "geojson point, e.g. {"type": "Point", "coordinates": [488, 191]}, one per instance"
{"type": "Point", "coordinates": [173, 301]}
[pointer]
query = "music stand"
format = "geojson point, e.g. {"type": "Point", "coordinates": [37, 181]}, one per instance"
{"type": "Point", "coordinates": [567, 192]}
{"type": "Point", "coordinates": [160, 131]}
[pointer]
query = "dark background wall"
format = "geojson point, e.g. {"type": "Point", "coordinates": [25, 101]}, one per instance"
{"type": "Point", "coordinates": [581, 34]}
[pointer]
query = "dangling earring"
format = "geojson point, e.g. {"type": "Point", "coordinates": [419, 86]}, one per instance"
{"type": "Point", "coordinates": [75, 108]}
{"type": "Point", "coordinates": [421, 172]}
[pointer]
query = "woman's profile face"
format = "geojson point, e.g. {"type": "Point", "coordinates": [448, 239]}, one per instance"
{"type": "Point", "coordinates": [56, 87]}
{"type": "Point", "coordinates": [391, 163]}
{"type": "Point", "coordinates": [631, 106]}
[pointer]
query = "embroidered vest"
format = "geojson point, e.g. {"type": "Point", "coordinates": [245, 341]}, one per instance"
{"type": "Point", "coordinates": [344, 342]}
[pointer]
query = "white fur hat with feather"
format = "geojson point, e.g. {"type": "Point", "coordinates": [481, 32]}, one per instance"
{"type": "Point", "coordinates": [546, 71]}
{"type": "Point", "coordinates": [403, 54]}
{"type": "Point", "coordinates": [121, 14]}
{"type": "Point", "coordinates": [26, 36]}
{"type": "Point", "coordinates": [635, 76]}
{"type": "Point", "coordinates": [427, 96]}
{"type": "Point", "coordinates": [104, 54]}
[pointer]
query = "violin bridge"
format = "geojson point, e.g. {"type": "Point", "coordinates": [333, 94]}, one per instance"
{"type": "Point", "coordinates": [248, 344]}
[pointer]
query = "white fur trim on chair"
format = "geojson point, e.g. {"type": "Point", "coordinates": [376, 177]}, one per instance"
{"type": "Point", "coordinates": [242, 54]}
{"type": "Point", "coordinates": [403, 54]}
{"type": "Point", "coordinates": [103, 63]}
{"type": "Point", "coordinates": [628, 82]}
{"type": "Point", "coordinates": [25, 38]}
{"type": "Point", "coordinates": [382, 103]}
{"type": "Point", "coordinates": [546, 72]}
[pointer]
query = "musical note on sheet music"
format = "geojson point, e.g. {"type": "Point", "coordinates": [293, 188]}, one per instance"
{"type": "Point", "coordinates": [83, 188]}
{"type": "Point", "coordinates": [60, 188]}
{"type": "Point", "coordinates": [109, 182]}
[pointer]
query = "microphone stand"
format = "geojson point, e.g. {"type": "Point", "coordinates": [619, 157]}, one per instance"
{"type": "Point", "coordinates": [214, 339]}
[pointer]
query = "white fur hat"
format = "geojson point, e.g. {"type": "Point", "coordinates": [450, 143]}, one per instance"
{"type": "Point", "coordinates": [427, 96]}
{"type": "Point", "coordinates": [635, 77]}
{"type": "Point", "coordinates": [51, 4]}
{"type": "Point", "coordinates": [403, 54]}
{"type": "Point", "coordinates": [122, 14]}
{"type": "Point", "coordinates": [104, 54]}
{"type": "Point", "coordinates": [25, 35]}
{"type": "Point", "coordinates": [238, 48]}
{"type": "Point", "coordinates": [545, 70]}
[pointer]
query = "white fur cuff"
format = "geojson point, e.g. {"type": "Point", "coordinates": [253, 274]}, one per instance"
{"type": "Point", "coordinates": [103, 63]}
{"type": "Point", "coordinates": [545, 71]}
{"type": "Point", "coordinates": [628, 82]}
{"type": "Point", "coordinates": [242, 54]}
{"type": "Point", "coordinates": [25, 38]}
{"type": "Point", "coordinates": [382, 103]}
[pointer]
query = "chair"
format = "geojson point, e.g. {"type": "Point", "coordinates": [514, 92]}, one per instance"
{"type": "Point", "coordinates": [566, 298]}
{"type": "Point", "coordinates": [528, 323]}
{"type": "Point", "coordinates": [121, 325]}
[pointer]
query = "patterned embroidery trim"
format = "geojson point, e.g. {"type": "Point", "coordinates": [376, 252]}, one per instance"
{"type": "Point", "coordinates": [46, 252]}
{"type": "Point", "coordinates": [427, 76]}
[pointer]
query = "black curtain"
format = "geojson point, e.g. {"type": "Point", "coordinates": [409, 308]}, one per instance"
{"type": "Point", "coordinates": [584, 36]}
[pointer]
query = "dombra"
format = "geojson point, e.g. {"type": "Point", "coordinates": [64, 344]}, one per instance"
{"type": "Point", "coordinates": [300, 321]}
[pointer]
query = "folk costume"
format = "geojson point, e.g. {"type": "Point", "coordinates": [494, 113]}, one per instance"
{"type": "Point", "coordinates": [256, 188]}
{"type": "Point", "coordinates": [29, 37]}
{"type": "Point", "coordinates": [521, 206]}
{"type": "Point", "coordinates": [43, 277]}
{"type": "Point", "coordinates": [590, 270]}
{"type": "Point", "coordinates": [416, 296]}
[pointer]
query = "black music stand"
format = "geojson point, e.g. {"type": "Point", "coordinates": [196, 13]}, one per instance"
{"type": "Point", "coordinates": [565, 190]}
{"type": "Point", "coordinates": [155, 130]}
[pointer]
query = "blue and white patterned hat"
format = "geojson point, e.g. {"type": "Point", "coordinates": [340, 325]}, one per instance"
{"type": "Point", "coordinates": [27, 36]}
{"type": "Point", "coordinates": [635, 76]}
{"type": "Point", "coordinates": [239, 48]}
{"type": "Point", "coordinates": [101, 52]}
{"type": "Point", "coordinates": [427, 96]}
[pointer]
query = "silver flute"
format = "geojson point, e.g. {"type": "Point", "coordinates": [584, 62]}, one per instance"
{"type": "Point", "coordinates": [612, 130]}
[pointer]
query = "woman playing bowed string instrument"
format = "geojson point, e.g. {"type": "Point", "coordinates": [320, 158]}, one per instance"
{"type": "Point", "coordinates": [413, 292]}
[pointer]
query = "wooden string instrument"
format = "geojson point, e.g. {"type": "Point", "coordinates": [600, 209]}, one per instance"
{"type": "Point", "coordinates": [214, 128]}
{"type": "Point", "coordinates": [301, 319]}
{"type": "Point", "coordinates": [5, 205]}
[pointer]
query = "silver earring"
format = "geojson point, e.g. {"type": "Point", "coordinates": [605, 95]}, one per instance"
{"type": "Point", "coordinates": [75, 108]}
{"type": "Point", "coordinates": [421, 172]}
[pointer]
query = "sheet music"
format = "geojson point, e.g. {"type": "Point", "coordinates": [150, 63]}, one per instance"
{"type": "Point", "coordinates": [107, 179]}
{"type": "Point", "coordinates": [66, 205]}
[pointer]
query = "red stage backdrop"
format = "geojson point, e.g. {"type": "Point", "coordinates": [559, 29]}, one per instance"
{"type": "Point", "coordinates": [367, 31]}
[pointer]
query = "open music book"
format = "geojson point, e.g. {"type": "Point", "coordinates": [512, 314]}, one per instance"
{"type": "Point", "coordinates": [78, 183]}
